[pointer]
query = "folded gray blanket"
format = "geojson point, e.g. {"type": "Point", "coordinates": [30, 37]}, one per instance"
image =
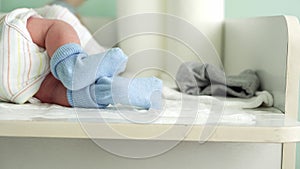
{"type": "Point", "coordinates": [204, 79]}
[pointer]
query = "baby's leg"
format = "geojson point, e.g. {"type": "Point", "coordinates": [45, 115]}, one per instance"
{"type": "Point", "coordinates": [58, 12]}
{"type": "Point", "coordinates": [52, 91]}
{"type": "Point", "coordinates": [138, 92]}
{"type": "Point", "coordinates": [51, 34]}
{"type": "Point", "coordinates": [55, 36]}
{"type": "Point", "coordinates": [69, 63]}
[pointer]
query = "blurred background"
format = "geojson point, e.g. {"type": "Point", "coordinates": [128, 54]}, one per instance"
{"type": "Point", "coordinates": [233, 8]}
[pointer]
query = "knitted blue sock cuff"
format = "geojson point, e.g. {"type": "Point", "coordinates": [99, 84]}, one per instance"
{"type": "Point", "coordinates": [70, 98]}
{"type": "Point", "coordinates": [82, 98]}
{"type": "Point", "coordinates": [62, 53]}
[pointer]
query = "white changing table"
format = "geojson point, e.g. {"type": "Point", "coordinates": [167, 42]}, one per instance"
{"type": "Point", "coordinates": [268, 45]}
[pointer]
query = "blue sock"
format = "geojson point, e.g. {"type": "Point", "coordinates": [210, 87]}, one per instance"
{"type": "Point", "coordinates": [139, 92]}
{"type": "Point", "coordinates": [76, 70]}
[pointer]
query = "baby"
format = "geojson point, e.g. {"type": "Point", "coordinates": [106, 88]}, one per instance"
{"type": "Point", "coordinates": [42, 57]}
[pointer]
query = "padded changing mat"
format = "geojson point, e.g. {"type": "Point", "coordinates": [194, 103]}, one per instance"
{"type": "Point", "coordinates": [178, 109]}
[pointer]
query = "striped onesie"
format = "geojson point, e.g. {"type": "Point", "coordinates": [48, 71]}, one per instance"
{"type": "Point", "coordinates": [23, 64]}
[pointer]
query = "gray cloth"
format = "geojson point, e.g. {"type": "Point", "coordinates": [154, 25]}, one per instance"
{"type": "Point", "coordinates": [195, 78]}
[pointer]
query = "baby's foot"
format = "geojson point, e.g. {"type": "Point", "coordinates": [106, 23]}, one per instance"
{"type": "Point", "coordinates": [76, 70]}
{"type": "Point", "coordinates": [140, 92]}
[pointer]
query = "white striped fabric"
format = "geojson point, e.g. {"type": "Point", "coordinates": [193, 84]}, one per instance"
{"type": "Point", "coordinates": [23, 64]}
